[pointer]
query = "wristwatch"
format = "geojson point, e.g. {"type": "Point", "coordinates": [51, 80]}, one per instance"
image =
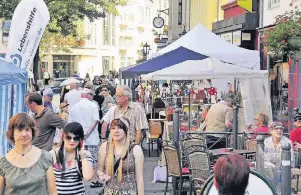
{"type": "Point", "coordinates": [83, 155]}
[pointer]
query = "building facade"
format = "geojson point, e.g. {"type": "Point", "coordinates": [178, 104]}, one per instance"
{"type": "Point", "coordinates": [239, 26]}
{"type": "Point", "coordinates": [115, 42]}
{"type": "Point", "coordinates": [179, 18]}
{"type": "Point", "coordinates": [206, 12]}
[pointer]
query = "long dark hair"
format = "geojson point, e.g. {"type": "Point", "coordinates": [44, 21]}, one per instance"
{"type": "Point", "coordinates": [76, 129]}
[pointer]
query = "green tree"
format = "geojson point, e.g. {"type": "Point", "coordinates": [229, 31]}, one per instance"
{"type": "Point", "coordinates": [65, 15]}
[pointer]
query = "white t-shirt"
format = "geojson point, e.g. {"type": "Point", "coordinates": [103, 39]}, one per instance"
{"type": "Point", "coordinates": [72, 97]}
{"type": "Point", "coordinates": [109, 116]}
{"type": "Point", "coordinates": [86, 113]}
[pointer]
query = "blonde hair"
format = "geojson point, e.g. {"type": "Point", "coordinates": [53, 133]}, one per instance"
{"type": "Point", "coordinates": [264, 117]}
{"type": "Point", "coordinates": [110, 157]}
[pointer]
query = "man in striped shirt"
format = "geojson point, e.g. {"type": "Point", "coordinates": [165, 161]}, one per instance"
{"type": "Point", "coordinates": [131, 110]}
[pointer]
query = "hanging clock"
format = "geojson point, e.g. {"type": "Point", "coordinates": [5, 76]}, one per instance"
{"type": "Point", "coordinates": [158, 22]}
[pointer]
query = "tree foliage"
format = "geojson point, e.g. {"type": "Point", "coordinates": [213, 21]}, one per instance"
{"type": "Point", "coordinates": [64, 18]}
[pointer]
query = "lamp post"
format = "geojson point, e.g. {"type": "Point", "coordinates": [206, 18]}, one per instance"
{"type": "Point", "coordinates": [183, 32]}
{"type": "Point", "coordinates": [145, 50]}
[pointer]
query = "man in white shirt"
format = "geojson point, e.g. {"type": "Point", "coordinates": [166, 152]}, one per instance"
{"type": "Point", "coordinates": [73, 96]}
{"type": "Point", "coordinates": [86, 113]}
{"type": "Point", "coordinates": [107, 118]}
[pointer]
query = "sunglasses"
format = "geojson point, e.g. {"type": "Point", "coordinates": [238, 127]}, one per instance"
{"type": "Point", "coordinates": [297, 119]}
{"type": "Point", "coordinates": [278, 128]}
{"type": "Point", "coordinates": [75, 138]}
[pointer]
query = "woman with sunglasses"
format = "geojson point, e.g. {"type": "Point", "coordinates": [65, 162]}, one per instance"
{"type": "Point", "coordinates": [72, 164]}
{"type": "Point", "coordinates": [25, 169]}
{"type": "Point", "coordinates": [272, 153]}
{"type": "Point", "coordinates": [108, 99]}
{"type": "Point", "coordinates": [120, 164]}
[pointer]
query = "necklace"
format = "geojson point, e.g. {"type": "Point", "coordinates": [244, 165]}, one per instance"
{"type": "Point", "coordinates": [22, 154]}
{"type": "Point", "coordinates": [69, 162]}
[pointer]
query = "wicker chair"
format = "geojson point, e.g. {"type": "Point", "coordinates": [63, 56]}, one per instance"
{"type": "Point", "coordinates": [199, 166]}
{"type": "Point", "coordinates": [193, 145]}
{"type": "Point", "coordinates": [174, 168]}
{"type": "Point", "coordinates": [155, 130]}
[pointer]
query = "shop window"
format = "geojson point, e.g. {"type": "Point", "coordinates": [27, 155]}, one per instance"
{"type": "Point", "coordinates": [5, 31]}
{"type": "Point", "coordinates": [273, 3]}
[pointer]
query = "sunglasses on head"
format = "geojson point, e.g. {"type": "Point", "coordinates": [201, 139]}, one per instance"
{"type": "Point", "coordinates": [297, 119]}
{"type": "Point", "coordinates": [75, 138]}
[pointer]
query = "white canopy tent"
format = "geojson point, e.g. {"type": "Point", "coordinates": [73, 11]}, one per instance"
{"type": "Point", "coordinates": [203, 41]}
{"type": "Point", "coordinates": [253, 84]}
{"type": "Point", "coordinates": [204, 69]}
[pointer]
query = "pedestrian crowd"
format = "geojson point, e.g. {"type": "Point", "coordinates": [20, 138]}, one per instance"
{"type": "Point", "coordinates": [95, 136]}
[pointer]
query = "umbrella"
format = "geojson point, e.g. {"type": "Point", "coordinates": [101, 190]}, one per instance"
{"type": "Point", "coordinates": [69, 81]}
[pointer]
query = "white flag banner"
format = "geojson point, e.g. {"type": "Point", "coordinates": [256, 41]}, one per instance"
{"type": "Point", "coordinates": [27, 27]}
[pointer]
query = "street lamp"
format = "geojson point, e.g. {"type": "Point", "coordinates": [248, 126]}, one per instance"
{"type": "Point", "coordinates": [145, 49]}
{"type": "Point", "coordinates": [183, 32]}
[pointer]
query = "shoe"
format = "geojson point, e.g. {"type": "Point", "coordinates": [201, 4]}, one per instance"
{"type": "Point", "coordinates": [96, 184]}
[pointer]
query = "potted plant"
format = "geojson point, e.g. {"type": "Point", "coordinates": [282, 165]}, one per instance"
{"type": "Point", "coordinates": [285, 36]}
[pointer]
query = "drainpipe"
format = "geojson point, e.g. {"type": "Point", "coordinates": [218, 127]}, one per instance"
{"type": "Point", "coordinates": [218, 7]}
{"type": "Point", "coordinates": [261, 7]}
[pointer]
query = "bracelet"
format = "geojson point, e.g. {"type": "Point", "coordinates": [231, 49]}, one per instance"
{"type": "Point", "coordinates": [83, 155]}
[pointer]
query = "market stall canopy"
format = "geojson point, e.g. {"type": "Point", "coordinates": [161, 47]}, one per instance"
{"type": "Point", "coordinates": [10, 74]}
{"type": "Point", "coordinates": [171, 58]}
{"type": "Point", "coordinates": [204, 69]}
{"type": "Point", "coordinates": [203, 41]}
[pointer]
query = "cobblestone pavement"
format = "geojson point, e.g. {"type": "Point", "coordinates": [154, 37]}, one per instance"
{"type": "Point", "coordinates": [150, 188]}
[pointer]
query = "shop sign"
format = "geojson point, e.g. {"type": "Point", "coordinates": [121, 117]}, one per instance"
{"type": "Point", "coordinates": [228, 37]}
{"type": "Point", "coordinates": [246, 37]}
{"type": "Point", "coordinates": [237, 38]}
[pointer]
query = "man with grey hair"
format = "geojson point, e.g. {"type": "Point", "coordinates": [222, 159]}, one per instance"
{"type": "Point", "coordinates": [73, 96]}
{"type": "Point", "coordinates": [131, 110]}
{"type": "Point", "coordinates": [219, 119]}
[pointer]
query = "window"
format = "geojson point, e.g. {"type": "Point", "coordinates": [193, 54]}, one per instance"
{"type": "Point", "coordinates": [180, 13]}
{"type": "Point", "coordinates": [273, 3]}
{"type": "Point", "coordinates": [122, 62]}
{"type": "Point", "coordinates": [130, 61]}
{"type": "Point", "coordinates": [105, 64]}
{"type": "Point", "coordinates": [106, 30]}
{"type": "Point", "coordinates": [113, 30]}
{"type": "Point", "coordinates": [141, 15]}
{"type": "Point", "coordinates": [5, 31]}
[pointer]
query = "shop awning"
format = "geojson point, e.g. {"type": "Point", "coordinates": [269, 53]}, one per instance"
{"type": "Point", "coordinates": [168, 59]}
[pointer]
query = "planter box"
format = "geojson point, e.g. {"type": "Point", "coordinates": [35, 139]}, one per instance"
{"type": "Point", "coordinates": [294, 43]}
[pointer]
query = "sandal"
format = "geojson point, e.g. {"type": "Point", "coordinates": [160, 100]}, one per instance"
{"type": "Point", "coordinates": [96, 184]}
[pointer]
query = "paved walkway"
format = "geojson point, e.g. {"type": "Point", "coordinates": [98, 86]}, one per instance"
{"type": "Point", "coordinates": [150, 188]}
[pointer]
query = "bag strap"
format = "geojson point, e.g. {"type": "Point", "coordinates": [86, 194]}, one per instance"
{"type": "Point", "coordinates": [116, 165]}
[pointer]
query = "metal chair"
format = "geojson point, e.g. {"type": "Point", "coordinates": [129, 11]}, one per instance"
{"type": "Point", "coordinates": [155, 130]}
{"type": "Point", "coordinates": [199, 166]}
{"type": "Point", "coordinates": [174, 167]}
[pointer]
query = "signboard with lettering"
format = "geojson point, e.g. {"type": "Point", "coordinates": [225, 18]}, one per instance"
{"type": "Point", "coordinates": [228, 37]}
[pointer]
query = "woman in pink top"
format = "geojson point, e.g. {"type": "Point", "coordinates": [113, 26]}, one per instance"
{"type": "Point", "coordinates": [261, 122]}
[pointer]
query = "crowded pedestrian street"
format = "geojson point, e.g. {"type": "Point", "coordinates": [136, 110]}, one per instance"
{"type": "Point", "coordinates": [150, 97]}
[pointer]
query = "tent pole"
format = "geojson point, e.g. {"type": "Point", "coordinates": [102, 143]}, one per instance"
{"type": "Point", "coordinates": [189, 125]}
